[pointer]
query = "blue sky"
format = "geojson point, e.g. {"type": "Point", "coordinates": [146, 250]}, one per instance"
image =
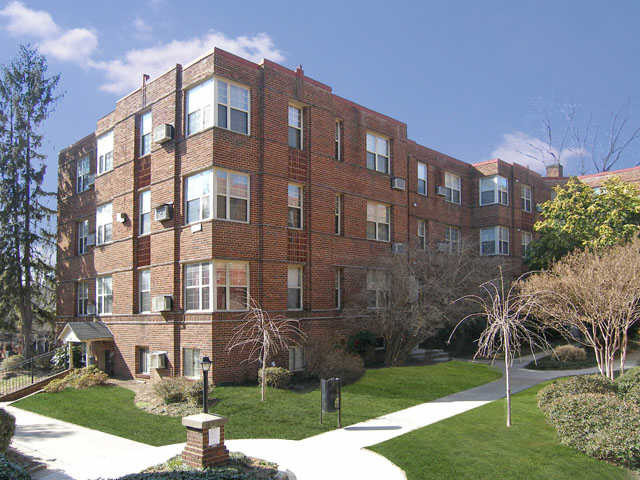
{"type": "Point", "coordinates": [471, 79]}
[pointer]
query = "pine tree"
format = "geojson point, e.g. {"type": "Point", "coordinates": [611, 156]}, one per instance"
{"type": "Point", "coordinates": [27, 242]}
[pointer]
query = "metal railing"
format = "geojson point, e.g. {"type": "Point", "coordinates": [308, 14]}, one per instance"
{"type": "Point", "coordinates": [16, 376]}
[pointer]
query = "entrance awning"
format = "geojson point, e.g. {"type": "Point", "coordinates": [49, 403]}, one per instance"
{"type": "Point", "coordinates": [85, 332]}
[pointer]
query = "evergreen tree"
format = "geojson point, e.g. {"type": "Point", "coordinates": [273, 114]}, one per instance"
{"type": "Point", "coordinates": [27, 242]}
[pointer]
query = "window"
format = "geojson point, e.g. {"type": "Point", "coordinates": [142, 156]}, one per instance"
{"type": "Point", "coordinates": [525, 195]}
{"type": "Point", "coordinates": [377, 221]}
{"type": "Point", "coordinates": [294, 288]}
{"type": "Point", "coordinates": [295, 127]}
{"type": "Point", "coordinates": [377, 153]}
{"type": "Point", "coordinates": [200, 107]}
{"type": "Point", "coordinates": [145, 134]}
{"type": "Point", "coordinates": [453, 186]}
{"type": "Point", "coordinates": [83, 235]}
{"type": "Point", "coordinates": [191, 358]}
{"type": "Point", "coordinates": [421, 234]}
{"type": "Point", "coordinates": [526, 240]}
{"type": "Point", "coordinates": [296, 359]}
{"type": "Point", "coordinates": [232, 107]}
{"type": "Point", "coordinates": [294, 201]}
{"type": "Point", "coordinates": [232, 285]}
{"type": "Point", "coordinates": [145, 212]}
{"type": "Point", "coordinates": [231, 193]}
{"type": "Point", "coordinates": [105, 152]}
{"type": "Point", "coordinates": [338, 288]}
{"type": "Point", "coordinates": [337, 228]}
{"type": "Point", "coordinates": [377, 289]}
{"type": "Point", "coordinates": [104, 227]}
{"type": "Point", "coordinates": [104, 295]}
{"type": "Point", "coordinates": [338, 141]}
{"type": "Point", "coordinates": [144, 291]}
{"type": "Point", "coordinates": [494, 189]}
{"type": "Point", "coordinates": [83, 298]}
{"type": "Point", "coordinates": [198, 287]}
{"type": "Point", "coordinates": [452, 238]}
{"type": "Point", "coordinates": [422, 178]}
{"type": "Point", "coordinates": [494, 241]}
{"type": "Point", "coordinates": [144, 357]}
{"type": "Point", "coordinates": [83, 177]}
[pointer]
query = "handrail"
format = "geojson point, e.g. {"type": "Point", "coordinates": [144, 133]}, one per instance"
{"type": "Point", "coordinates": [32, 370]}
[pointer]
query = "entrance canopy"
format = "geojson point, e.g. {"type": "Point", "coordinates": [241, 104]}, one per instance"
{"type": "Point", "coordinates": [85, 332]}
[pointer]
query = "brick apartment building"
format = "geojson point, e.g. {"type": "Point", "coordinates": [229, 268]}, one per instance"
{"type": "Point", "coordinates": [226, 177]}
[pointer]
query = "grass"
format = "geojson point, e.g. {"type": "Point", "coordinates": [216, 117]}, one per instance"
{"type": "Point", "coordinates": [477, 445]}
{"type": "Point", "coordinates": [285, 414]}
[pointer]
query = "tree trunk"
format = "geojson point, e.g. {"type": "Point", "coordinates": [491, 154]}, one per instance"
{"type": "Point", "coordinates": [506, 378]}
{"type": "Point", "coordinates": [263, 375]}
{"type": "Point", "coordinates": [623, 354]}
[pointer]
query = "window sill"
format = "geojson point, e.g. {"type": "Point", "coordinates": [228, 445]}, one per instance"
{"type": "Point", "coordinates": [295, 228]}
{"type": "Point", "coordinates": [207, 312]}
{"type": "Point", "coordinates": [295, 309]}
{"type": "Point", "coordinates": [379, 241]}
{"type": "Point", "coordinates": [104, 244]}
{"type": "Point", "coordinates": [144, 234]}
{"type": "Point", "coordinates": [386, 174]}
{"type": "Point", "coordinates": [212, 127]}
{"type": "Point", "coordinates": [212, 219]}
{"type": "Point", "coordinates": [103, 173]}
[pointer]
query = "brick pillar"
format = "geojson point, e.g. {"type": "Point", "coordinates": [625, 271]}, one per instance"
{"type": "Point", "coordinates": [204, 447]}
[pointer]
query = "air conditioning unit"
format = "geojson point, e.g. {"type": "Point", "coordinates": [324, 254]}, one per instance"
{"type": "Point", "coordinates": [443, 247]}
{"type": "Point", "coordinates": [91, 309]}
{"type": "Point", "coordinates": [397, 247]}
{"type": "Point", "coordinates": [163, 212]}
{"type": "Point", "coordinates": [91, 240]}
{"type": "Point", "coordinates": [162, 303]}
{"type": "Point", "coordinates": [121, 218]}
{"type": "Point", "coordinates": [398, 183]}
{"type": "Point", "coordinates": [442, 191]}
{"type": "Point", "coordinates": [158, 360]}
{"type": "Point", "coordinates": [91, 180]}
{"type": "Point", "coordinates": [163, 133]}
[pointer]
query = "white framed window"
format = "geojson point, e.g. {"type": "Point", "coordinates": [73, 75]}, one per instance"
{"type": "Point", "coordinates": [295, 127]}
{"type": "Point", "coordinates": [232, 111]}
{"type": "Point", "coordinates": [378, 221]}
{"type": "Point", "coordinates": [83, 174]}
{"type": "Point", "coordinates": [525, 195]}
{"type": "Point", "coordinates": [83, 298]}
{"type": "Point", "coordinates": [191, 362]}
{"type": "Point", "coordinates": [145, 212]}
{"type": "Point", "coordinates": [198, 195]}
{"type": "Point", "coordinates": [453, 187]}
{"type": "Point", "coordinates": [338, 141]}
{"type": "Point", "coordinates": [296, 359]}
{"type": "Point", "coordinates": [104, 295]}
{"type": "Point", "coordinates": [199, 107]}
{"type": "Point", "coordinates": [145, 133]}
{"type": "Point", "coordinates": [526, 240]}
{"type": "Point", "coordinates": [494, 189]}
{"type": "Point", "coordinates": [422, 229]}
{"type": "Point", "coordinates": [338, 288]}
{"type": "Point", "coordinates": [294, 287]}
{"type": "Point", "coordinates": [494, 241]}
{"type": "Point", "coordinates": [144, 291]}
{"type": "Point", "coordinates": [104, 224]}
{"type": "Point", "coordinates": [294, 203]}
{"type": "Point", "coordinates": [144, 360]}
{"type": "Point", "coordinates": [337, 224]}
{"type": "Point", "coordinates": [197, 287]}
{"type": "Point", "coordinates": [422, 178]}
{"type": "Point", "coordinates": [232, 285]}
{"type": "Point", "coordinates": [230, 189]}
{"type": "Point", "coordinates": [377, 153]}
{"type": "Point", "coordinates": [105, 152]}
{"type": "Point", "coordinates": [83, 235]}
{"type": "Point", "coordinates": [377, 289]}
{"type": "Point", "coordinates": [452, 238]}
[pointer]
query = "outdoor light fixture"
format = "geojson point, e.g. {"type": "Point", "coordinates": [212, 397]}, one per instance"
{"type": "Point", "coordinates": [206, 366]}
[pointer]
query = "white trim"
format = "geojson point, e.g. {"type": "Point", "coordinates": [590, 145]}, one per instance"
{"type": "Point", "coordinates": [376, 154]}
{"type": "Point", "coordinates": [299, 207]}
{"type": "Point", "coordinates": [377, 223]}
{"type": "Point", "coordinates": [300, 270]}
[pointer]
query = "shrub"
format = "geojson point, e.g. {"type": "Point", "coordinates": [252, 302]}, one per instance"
{"type": "Point", "coordinates": [632, 396]}
{"type": "Point", "coordinates": [619, 442]}
{"type": "Point", "coordinates": [574, 386]}
{"type": "Point", "coordinates": [627, 381]}
{"type": "Point", "coordinates": [361, 343]}
{"type": "Point", "coordinates": [193, 391]}
{"type": "Point", "coordinates": [9, 471]}
{"type": "Point", "coordinates": [171, 389]}
{"type": "Point", "coordinates": [12, 363]}
{"type": "Point", "coordinates": [570, 353]}
{"type": "Point", "coordinates": [55, 386]}
{"type": "Point", "coordinates": [327, 359]}
{"type": "Point", "coordinates": [78, 378]}
{"type": "Point", "coordinates": [276, 377]}
{"type": "Point", "coordinates": [7, 429]}
{"type": "Point", "coordinates": [220, 473]}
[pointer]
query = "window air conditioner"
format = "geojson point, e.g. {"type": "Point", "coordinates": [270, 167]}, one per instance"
{"type": "Point", "coordinates": [398, 183]}
{"type": "Point", "coordinates": [91, 240]}
{"type": "Point", "coordinates": [163, 212]}
{"type": "Point", "coordinates": [442, 191]}
{"type": "Point", "coordinates": [397, 247]}
{"type": "Point", "coordinates": [121, 218]}
{"type": "Point", "coordinates": [163, 133]}
{"type": "Point", "coordinates": [158, 360]}
{"type": "Point", "coordinates": [162, 303]}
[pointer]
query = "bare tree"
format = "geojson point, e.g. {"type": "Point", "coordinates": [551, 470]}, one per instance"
{"type": "Point", "coordinates": [508, 325]}
{"type": "Point", "coordinates": [593, 298]}
{"type": "Point", "coordinates": [263, 336]}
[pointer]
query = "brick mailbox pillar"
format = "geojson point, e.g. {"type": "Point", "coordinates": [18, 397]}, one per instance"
{"type": "Point", "coordinates": [205, 440]}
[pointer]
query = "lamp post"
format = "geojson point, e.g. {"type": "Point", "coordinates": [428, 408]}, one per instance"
{"type": "Point", "coordinates": [206, 366]}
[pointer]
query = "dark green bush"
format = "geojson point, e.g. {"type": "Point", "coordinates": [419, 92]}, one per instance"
{"type": "Point", "coordinates": [276, 377]}
{"type": "Point", "coordinates": [574, 386]}
{"type": "Point", "coordinates": [628, 380]}
{"type": "Point", "coordinates": [9, 471]}
{"type": "Point", "coordinates": [12, 363]}
{"type": "Point", "coordinates": [7, 429]}
{"type": "Point", "coordinates": [193, 391]}
{"type": "Point", "coordinates": [221, 473]}
{"type": "Point", "coordinates": [619, 442]}
{"type": "Point", "coordinates": [361, 343]}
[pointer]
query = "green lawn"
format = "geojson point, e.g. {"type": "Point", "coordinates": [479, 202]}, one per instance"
{"type": "Point", "coordinates": [285, 414]}
{"type": "Point", "coordinates": [477, 445]}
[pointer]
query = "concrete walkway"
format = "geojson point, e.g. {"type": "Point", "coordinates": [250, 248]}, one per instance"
{"type": "Point", "coordinates": [79, 453]}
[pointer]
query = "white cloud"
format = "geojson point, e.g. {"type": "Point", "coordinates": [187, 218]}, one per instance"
{"type": "Point", "coordinates": [532, 152]}
{"type": "Point", "coordinates": [76, 44]}
{"type": "Point", "coordinates": [141, 26]}
{"type": "Point", "coordinates": [123, 75]}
